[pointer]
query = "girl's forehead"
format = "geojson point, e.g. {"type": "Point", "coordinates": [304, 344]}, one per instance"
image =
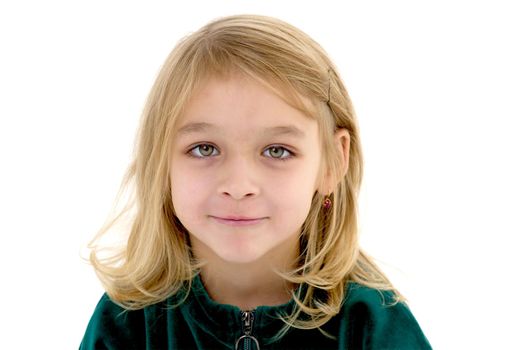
{"type": "Point", "coordinates": [238, 93]}
{"type": "Point", "coordinates": [243, 115]}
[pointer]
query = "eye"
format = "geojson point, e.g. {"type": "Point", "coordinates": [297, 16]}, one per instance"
{"type": "Point", "coordinates": [276, 152]}
{"type": "Point", "coordinates": [205, 150]}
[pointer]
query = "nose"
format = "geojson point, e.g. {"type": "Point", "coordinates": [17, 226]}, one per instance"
{"type": "Point", "coordinates": [238, 179]}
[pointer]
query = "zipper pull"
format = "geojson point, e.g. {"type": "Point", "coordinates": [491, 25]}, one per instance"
{"type": "Point", "coordinates": [247, 325]}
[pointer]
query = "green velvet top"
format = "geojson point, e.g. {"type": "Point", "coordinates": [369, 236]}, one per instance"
{"type": "Point", "coordinates": [364, 322]}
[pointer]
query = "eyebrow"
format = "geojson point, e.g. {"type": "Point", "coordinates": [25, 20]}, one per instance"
{"type": "Point", "coordinates": [290, 130]}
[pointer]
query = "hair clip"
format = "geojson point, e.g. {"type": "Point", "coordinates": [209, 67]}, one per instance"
{"type": "Point", "coordinates": [329, 84]}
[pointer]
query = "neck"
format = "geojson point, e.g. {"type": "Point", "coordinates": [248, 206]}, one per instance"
{"type": "Point", "coordinates": [248, 285]}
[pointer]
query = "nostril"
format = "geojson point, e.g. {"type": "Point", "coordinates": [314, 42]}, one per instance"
{"type": "Point", "coordinates": [251, 194]}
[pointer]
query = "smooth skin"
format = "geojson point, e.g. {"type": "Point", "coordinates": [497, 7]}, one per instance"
{"type": "Point", "coordinates": [237, 167]}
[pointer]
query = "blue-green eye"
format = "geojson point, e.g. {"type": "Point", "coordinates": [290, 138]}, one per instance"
{"type": "Point", "coordinates": [277, 152]}
{"type": "Point", "coordinates": [204, 150]}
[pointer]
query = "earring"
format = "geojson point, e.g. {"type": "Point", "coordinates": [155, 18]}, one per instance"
{"type": "Point", "coordinates": [327, 203]}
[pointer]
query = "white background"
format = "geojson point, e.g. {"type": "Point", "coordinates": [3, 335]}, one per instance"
{"type": "Point", "coordinates": [439, 92]}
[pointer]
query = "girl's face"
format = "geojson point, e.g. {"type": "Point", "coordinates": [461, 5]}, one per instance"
{"type": "Point", "coordinates": [244, 171]}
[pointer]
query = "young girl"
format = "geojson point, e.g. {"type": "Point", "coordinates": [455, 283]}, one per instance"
{"type": "Point", "coordinates": [245, 185]}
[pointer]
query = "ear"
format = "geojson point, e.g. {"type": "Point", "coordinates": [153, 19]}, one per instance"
{"type": "Point", "coordinates": [342, 144]}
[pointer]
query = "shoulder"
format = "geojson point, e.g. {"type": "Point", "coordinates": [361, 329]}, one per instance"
{"type": "Point", "coordinates": [112, 327]}
{"type": "Point", "coordinates": [372, 319]}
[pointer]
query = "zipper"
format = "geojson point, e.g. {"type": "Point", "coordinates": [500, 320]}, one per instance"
{"type": "Point", "coordinates": [246, 339]}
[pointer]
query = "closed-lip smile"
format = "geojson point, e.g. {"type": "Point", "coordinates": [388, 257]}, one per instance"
{"type": "Point", "coordinates": [231, 220]}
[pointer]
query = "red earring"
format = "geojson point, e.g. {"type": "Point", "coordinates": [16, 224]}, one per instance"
{"type": "Point", "coordinates": [327, 203]}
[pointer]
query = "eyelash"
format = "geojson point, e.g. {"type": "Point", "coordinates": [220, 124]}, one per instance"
{"type": "Point", "coordinates": [292, 154]}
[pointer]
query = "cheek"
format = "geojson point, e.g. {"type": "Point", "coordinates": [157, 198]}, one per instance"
{"type": "Point", "coordinates": [293, 199]}
{"type": "Point", "coordinates": [187, 190]}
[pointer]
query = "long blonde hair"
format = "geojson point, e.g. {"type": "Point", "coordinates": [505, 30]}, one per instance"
{"type": "Point", "coordinates": [155, 261]}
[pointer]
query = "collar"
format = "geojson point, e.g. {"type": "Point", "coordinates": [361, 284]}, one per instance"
{"type": "Point", "coordinates": [223, 321]}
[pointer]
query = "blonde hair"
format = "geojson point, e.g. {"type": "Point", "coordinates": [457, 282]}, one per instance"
{"type": "Point", "coordinates": [156, 260]}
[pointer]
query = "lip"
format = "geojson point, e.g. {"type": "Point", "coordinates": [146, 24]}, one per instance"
{"type": "Point", "coordinates": [238, 220]}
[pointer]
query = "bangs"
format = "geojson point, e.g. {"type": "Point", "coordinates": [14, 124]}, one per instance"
{"type": "Point", "coordinates": [267, 57]}
{"type": "Point", "coordinates": [223, 65]}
